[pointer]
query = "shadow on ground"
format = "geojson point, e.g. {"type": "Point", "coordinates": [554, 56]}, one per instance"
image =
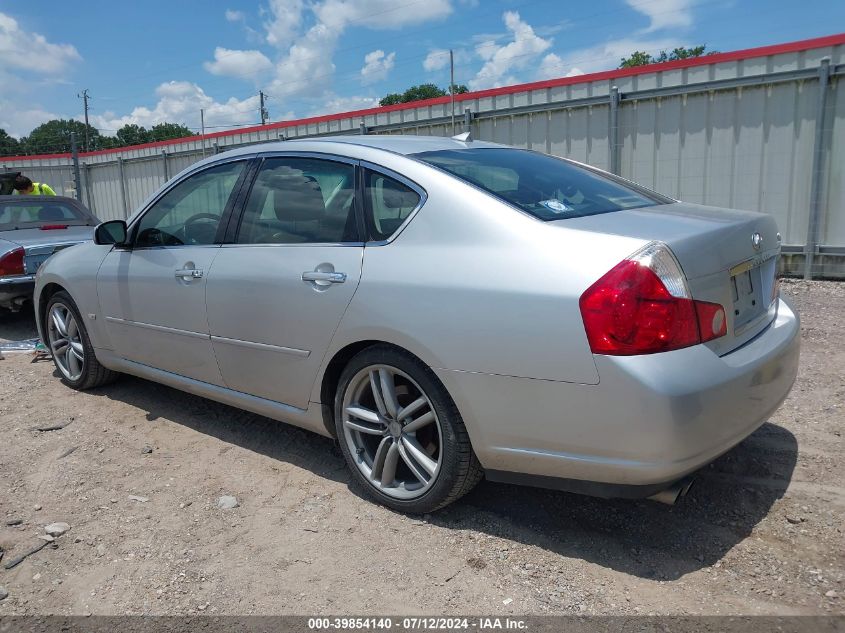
{"type": "Point", "coordinates": [17, 326]}
{"type": "Point", "coordinates": [642, 538]}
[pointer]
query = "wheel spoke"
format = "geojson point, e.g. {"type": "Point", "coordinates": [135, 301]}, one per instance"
{"type": "Point", "coordinates": [416, 425]}
{"type": "Point", "coordinates": [388, 391]}
{"type": "Point", "coordinates": [417, 452]}
{"type": "Point", "coordinates": [59, 322]}
{"type": "Point", "coordinates": [59, 345]}
{"type": "Point", "coordinates": [364, 427]}
{"type": "Point", "coordinates": [378, 459]}
{"type": "Point", "coordinates": [411, 409]}
{"type": "Point", "coordinates": [391, 460]}
{"type": "Point", "coordinates": [412, 465]}
{"type": "Point", "coordinates": [77, 347]}
{"type": "Point", "coordinates": [72, 362]}
{"type": "Point", "coordinates": [363, 414]}
{"type": "Point", "coordinates": [72, 328]}
{"type": "Point", "coordinates": [376, 389]}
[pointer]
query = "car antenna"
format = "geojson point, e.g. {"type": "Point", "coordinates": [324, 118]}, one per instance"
{"type": "Point", "coordinates": [464, 137]}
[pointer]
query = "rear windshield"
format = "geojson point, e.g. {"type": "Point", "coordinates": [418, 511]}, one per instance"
{"type": "Point", "coordinates": [33, 214]}
{"type": "Point", "coordinates": [548, 188]}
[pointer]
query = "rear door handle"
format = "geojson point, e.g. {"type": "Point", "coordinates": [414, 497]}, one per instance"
{"type": "Point", "coordinates": [332, 278]}
{"type": "Point", "coordinates": [186, 274]}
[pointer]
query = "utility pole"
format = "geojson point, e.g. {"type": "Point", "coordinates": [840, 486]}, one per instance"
{"type": "Point", "coordinates": [202, 131]}
{"type": "Point", "coordinates": [452, 86]}
{"type": "Point", "coordinates": [75, 156]}
{"type": "Point", "coordinates": [84, 97]}
{"type": "Point", "coordinates": [263, 111]}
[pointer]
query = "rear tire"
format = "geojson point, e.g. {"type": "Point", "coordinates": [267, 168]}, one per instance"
{"type": "Point", "coordinates": [401, 434]}
{"type": "Point", "coordinates": [70, 345]}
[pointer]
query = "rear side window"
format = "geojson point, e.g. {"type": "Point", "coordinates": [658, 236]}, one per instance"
{"type": "Point", "coordinates": [548, 188]}
{"type": "Point", "coordinates": [301, 201]}
{"type": "Point", "coordinates": [388, 204]}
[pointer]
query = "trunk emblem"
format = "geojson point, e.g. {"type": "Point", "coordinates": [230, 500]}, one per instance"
{"type": "Point", "coordinates": [756, 241]}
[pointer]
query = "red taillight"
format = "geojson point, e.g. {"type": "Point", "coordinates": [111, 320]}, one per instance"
{"type": "Point", "coordinates": [12, 263]}
{"type": "Point", "coordinates": [53, 227]}
{"type": "Point", "coordinates": [630, 310]}
{"type": "Point", "coordinates": [712, 322]}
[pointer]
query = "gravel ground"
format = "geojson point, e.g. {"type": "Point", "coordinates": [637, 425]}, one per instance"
{"type": "Point", "coordinates": [138, 470]}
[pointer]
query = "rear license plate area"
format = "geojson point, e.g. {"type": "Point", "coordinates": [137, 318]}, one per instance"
{"type": "Point", "coordinates": [33, 262]}
{"type": "Point", "coordinates": [748, 298]}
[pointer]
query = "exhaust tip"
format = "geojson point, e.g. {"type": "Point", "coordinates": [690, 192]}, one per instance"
{"type": "Point", "coordinates": [670, 495]}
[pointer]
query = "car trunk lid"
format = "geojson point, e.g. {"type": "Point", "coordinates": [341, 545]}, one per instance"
{"type": "Point", "coordinates": [39, 243]}
{"type": "Point", "coordinates": [728, 256]}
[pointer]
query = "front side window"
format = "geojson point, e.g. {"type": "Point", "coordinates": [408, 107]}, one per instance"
{"type": "Point", "coordinates": [548, 188]}
{"type": "Point", "coordinates": [191, 212]}
{"type": "Point", "coordinates": [388, 204]}
{"type": "Point", "coordinates": [301, 201]}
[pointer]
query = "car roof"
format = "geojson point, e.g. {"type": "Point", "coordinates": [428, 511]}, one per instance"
{"type": "Point", "coordinates": [396, 144]}
{"type": "Point", "coordinates": [408, 144]}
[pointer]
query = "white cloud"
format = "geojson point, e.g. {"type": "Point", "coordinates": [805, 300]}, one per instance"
{"type": "Point", "coordinates": [31, 52]}
{"type": "Point", "coordinates": [235, 63]}
{"type": "Point", "coordinates": [305, 67]}
{"type": "Point", "coordinates": [334, 104]}
{"type": "Point", "coordinates": [664, 13]}
{"type": "Point", "coordinates": [181, 102]}
{"type": "Point", "coordinates": [285, 20]}
{"type": "Point", "coordinates": [19, 121]}
{"type": "Point", "coordinates": [235, 16]}
{"type": "Point", "coordinates": [376, 67]}
{"type": "Point", "coordinates": [553, 67]}
{"type": "Point", "coordinates": [607, 55]}
{"type": "Point", "coordinates": [380, 14]}
{"type": "Point", "coordinates": [436, 59]}
{"type": "Point", "coordinates": [500, 60]}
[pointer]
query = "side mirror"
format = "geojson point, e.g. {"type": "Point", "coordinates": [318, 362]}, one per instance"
{"type": "Point", "coordinates": [112, 232]}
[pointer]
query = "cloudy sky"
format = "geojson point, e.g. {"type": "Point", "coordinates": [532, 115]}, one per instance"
{"type": "Point", "coordinates": [160, 61]}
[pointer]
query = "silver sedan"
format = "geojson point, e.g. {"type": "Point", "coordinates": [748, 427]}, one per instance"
{"type": "Point", "coordinates": [447, 309]}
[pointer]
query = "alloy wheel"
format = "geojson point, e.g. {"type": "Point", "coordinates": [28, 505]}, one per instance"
{"type": "Point", "coordinates": [65, 341]}
{"type": "Point", "coordinates": [392, 431]}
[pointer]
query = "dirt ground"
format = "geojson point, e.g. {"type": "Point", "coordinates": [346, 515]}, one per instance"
{"type": "Point", "coordinates": [761, 532]}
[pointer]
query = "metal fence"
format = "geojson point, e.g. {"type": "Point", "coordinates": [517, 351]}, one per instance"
{"type": "Point", "coordinates": [761, 129]}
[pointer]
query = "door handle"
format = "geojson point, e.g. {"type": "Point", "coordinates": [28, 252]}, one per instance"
{"type": "Point", "coordinates": [318, 276]}
{"type": "Point", "coordinates": [186, 274]}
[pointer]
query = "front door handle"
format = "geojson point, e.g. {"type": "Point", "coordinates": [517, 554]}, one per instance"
{"type": "Point", "coordinates": [186, 274]}
{"type": "Point", "coordinates": [325, 277]}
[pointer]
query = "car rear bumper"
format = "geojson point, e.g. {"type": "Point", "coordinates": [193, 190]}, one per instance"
{"type": "Point", "coordinates": [11, 288]}
{"type": "Point", "coordinates": [651, 420]}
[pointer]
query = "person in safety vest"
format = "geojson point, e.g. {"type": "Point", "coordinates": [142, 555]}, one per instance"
{"type": "Point", "coordinates": [24, 186]}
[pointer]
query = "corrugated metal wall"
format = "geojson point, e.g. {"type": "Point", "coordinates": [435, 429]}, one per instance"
{"type": "Point", "coordinates": [736, 134]}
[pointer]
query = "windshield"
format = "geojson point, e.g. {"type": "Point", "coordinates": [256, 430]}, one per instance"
{"type": "Point", "coordinates": [26, 214]}
{"type": "Point", "coordinates": [548, 188]}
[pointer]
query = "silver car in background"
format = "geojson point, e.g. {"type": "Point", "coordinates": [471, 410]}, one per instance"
{"type": "Point", "coordinates": [32, 228]}
{"type": "Point", "coordinates": [447, 309]}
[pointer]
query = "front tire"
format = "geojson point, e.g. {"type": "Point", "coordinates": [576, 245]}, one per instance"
{"type": "Point", "coordinates": [401, 434]}
{"type": "Point", "coordinates": [71, 347]}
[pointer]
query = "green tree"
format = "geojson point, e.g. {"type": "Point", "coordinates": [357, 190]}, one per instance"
{"type": "Point", "coordinates": [132, 134]}
{"type": "Point", "coordinates": [9, 145]}
{"type": "Point", "coordinates": [419, 93]}
{"type": "Point", "coordinates": [167, 131]}
{"type": "Point", "coordinates": [53, 137]}
{"type": "Point", "coordinates": [641, 58]}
